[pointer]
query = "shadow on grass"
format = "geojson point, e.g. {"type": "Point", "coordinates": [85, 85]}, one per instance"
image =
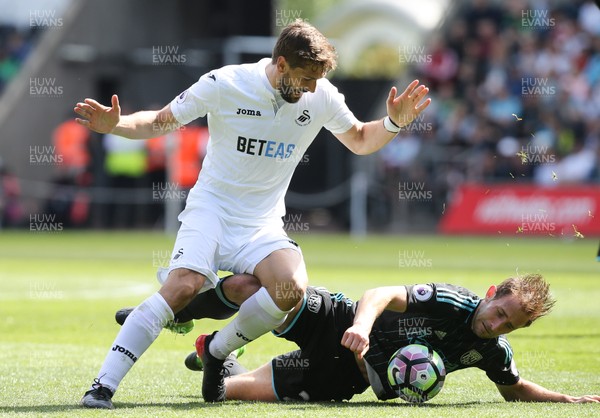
{"type": "Point", "coordinates": [118, 405]}
{"type": "Point", "coordinates": [204, 405]}
{"type": "Point", "coordinates": [553, 336]}
{"type": "Point", "coordinates": [366, 404]}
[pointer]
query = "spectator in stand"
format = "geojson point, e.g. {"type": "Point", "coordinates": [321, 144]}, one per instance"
{"type": "Point", "coordinates": [443, 63]}
{"type": "Point", "coordinates": [11, 212]}
{"type": "Point", "coordinates": [589, 18]}
{"type": "Point", "coordinates": [125, 165]}
{"type": "Point", "coordinates": [69, 199]}
{"type": "Point", "coordinates": [498, 54]}
{"type": "Point", "coordinates": [14, 49]}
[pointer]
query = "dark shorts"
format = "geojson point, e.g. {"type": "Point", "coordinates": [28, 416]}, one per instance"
{"type": "Point", "coordinates": [322, 369]}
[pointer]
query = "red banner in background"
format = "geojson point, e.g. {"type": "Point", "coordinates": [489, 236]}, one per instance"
{"type": "Point", "coordinates": [523, 209]}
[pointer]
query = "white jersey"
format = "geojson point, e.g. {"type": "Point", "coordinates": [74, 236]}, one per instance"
{"type": "Point", "coordinates": [256, 140]}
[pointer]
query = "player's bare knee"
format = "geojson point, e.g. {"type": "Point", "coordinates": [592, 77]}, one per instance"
{"type": "Point", "coordinates": [181, 286]}
{"type": "Point", "coordinates": [190, 280]}
{"type": "Point", "coordinates": [286, 294]}
{"type": "Point", "coordinates": [240, 287]}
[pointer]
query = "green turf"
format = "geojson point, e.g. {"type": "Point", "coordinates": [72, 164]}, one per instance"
{"type": "Point", "coordinates": [59, 291]}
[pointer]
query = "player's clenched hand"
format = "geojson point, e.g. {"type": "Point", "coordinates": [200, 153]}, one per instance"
{"type": "Point", "coordinates": [407, 106]}
{"type": "Point", "coordinates": [97, 117]}
{"type": "Point", "coordinates": [356, 339]}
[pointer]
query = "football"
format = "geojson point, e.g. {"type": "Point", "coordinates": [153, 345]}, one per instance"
{"type": "Point", "coordinates": [416, 373]}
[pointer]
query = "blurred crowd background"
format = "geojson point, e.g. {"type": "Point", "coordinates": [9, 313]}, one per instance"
{"type": "Point", "coordinates": [516, 98]}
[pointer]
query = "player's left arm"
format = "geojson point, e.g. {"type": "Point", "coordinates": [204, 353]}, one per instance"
{"type": "Point", "coordinates": [526, 391]}
{"type": "Point", "coordinates": [370, 306]}
{"type": "Point", "coordinates": [366, 138]}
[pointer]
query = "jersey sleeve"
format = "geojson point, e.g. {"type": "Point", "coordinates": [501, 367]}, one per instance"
{"type": "Point", "coordinates": [501, 368]}
{"type": "Point", "coordinates": [440, 299]}
{"type": "Point", "coordinates": [198, 100]}
{"type": "Point", "coordinates": [342, 118]}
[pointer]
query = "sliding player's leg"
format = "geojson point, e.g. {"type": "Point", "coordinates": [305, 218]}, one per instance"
{"type": "Point", "coordinates": [222, 302]}
{"type": "Point", "coordinates": [287, 377]}
{"type": "Point", "coordinates": [283, 276]}
{"type": "Point", "coordinates": [251, 386]}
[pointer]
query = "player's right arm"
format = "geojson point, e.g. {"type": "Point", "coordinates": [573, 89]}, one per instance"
{"type": "Point", "coordinates": [370, 306]}
{"type": "Point", "coordinates": [526, 391]}
{"type": "Point", "coordinates": [140, 125]}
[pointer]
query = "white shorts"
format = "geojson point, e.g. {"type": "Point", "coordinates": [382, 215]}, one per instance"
{"type": "Point", "coordinates": [214, 244]}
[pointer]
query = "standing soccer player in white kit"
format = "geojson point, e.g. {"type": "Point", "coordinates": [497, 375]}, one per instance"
{"type": "Point", "coordinates": [260, 123]}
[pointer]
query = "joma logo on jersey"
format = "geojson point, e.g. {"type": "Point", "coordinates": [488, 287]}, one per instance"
{"type": "Point", "coordinates": [262, 147]}
{"type": "Point", "coordinates": [303, 119]}
{"type": "Point", "coordinates": [248, 112]}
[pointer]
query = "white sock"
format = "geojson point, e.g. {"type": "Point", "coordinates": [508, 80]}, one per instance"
{"type": "Point", "coordinates": [139, 331]}
{"type": "Point", "coordinates": [257, 316]}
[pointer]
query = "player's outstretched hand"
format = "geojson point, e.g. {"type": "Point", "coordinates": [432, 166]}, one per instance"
{"type": "Point", "coordinates": [407, 106]}
{"type": "Point", "coordinates": [356, 339]}
{"type": "Point", "coordinates": [97, 117]}
{"type": "Point", "coordinates": [586, 399]}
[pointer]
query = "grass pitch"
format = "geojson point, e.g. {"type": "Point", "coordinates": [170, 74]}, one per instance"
{"type": "Point", "coordinates": [59, 292]}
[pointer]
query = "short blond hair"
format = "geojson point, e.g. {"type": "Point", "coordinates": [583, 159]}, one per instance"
{"type": "Point", "coordinates": [533, 292]}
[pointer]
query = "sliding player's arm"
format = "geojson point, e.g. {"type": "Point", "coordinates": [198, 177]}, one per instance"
{"type": "Point", "coordinates": [370, 306]}
{"type": "Point", "coordinates": [526, 391]}
{"type": "Point", "coordinates": [140, 125]}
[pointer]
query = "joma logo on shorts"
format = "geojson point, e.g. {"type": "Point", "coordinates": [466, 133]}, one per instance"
{"type": "Point", "coordinates": [125, 351]}
{"type": "Point", "coordinates": [248, 112]}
